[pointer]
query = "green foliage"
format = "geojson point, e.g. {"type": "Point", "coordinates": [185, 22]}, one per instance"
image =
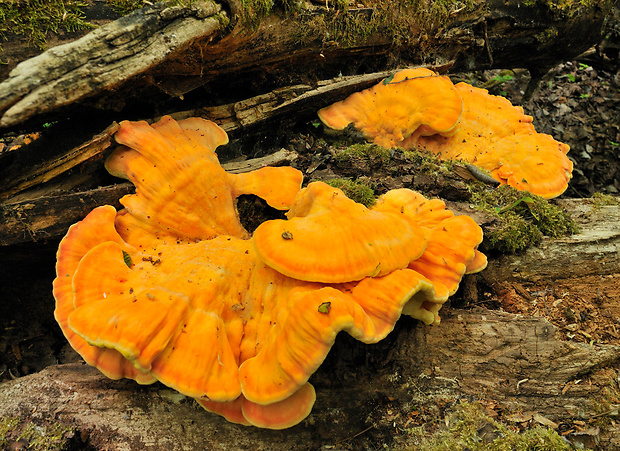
{"type": "Point", "coordinates": [357, 190]}
{"type": "Point", "coordinates": [124, 7]}
{"type": "Point", "coordinates": [37, 19]}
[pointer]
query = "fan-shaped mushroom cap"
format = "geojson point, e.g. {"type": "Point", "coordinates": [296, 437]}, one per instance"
{"type": "Point", "coordinates": [279, 415]}
{"type": "Point", "coordinates": [477, 264]}
{"type": "Point", "coordinates": [180, 184]}
{"type": "Point", "coordinates": [450, 251]}
{"type": "Point", "coordinates": [306, 326]}
{"type": "Point", "coordinates": [81, 237]}
{"type": "Point", "coordinates": [534, 162]}
{"type": "Point", "coordinates": [267, 333]}
{"type": "Point", "coordinates": [160, 312]}
{"type": "Point", "coordinates": [392, 110]}
{"type": "Point", "coordinates": [497, 136]}
{"type": "Point", "coordinates": [330, 238]}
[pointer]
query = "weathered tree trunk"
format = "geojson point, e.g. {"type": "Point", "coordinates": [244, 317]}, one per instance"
{"type": "Point", "coordinates": [155, 55]}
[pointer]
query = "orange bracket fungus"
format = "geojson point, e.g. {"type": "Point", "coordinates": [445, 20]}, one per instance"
{"type": "Point", "coordinates": [488, 131]}
{"type": "Point", "coordinates": [173, 289]}
{"type": "Point", "coordinates": [392, 110]}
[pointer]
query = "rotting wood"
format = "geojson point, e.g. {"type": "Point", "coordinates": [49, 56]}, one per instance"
{"type": "Point", "coordinates": [49, 217]}
{"type": "Point", "coordinates": [512, 358]}
{"type": "Point", "coordinates": [105, 69]}
{"type": "Point", "coordinates": [103, 58]}
{"type": "Point", "coordinates": [36, 174]}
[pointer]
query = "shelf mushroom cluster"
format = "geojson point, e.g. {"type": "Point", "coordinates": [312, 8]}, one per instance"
{"type": "Point", "coordinates": [418, 109]}
{"type": "Point", "coordinates": [172, 288]}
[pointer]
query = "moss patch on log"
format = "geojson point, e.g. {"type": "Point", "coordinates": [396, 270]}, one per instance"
{"type": "Point", "coordinates": [35, 20]}
{"type": "Point", "coordinates": [402, 21]}
{"type": "Point", "coordinates": [18, 434]}
{"type": "Point", "coordinates": [468, 427]}
{"type": "Point", "coordinates": [522, 218]}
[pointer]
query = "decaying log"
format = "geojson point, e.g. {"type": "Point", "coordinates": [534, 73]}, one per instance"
{"type": "Point", "coordinates": [288, 105]}
{"type": "Point", "coordinates": [159, 53]}
{"type": "Point", "coordinates": [512, 359]}
{"type": "Point", "coordinates": [30, 170]}
{"type": "Point", "coordinates": [103, 58]}
{"type": "Point", "coordinates": [517, 361]}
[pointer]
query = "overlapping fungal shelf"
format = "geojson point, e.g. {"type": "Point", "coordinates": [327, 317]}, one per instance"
{"type": "Point", "coordinates": [418, 109]}
{"type": "Point", "coordinates": [172, 288]}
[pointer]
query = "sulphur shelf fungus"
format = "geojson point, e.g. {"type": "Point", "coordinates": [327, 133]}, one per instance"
{"type": "Point", "coordinates": [488, 131]}
{"type": "Point", "coordinates": [173, 289]}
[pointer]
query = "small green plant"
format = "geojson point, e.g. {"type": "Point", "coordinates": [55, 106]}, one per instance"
{"type": "Point", "coordinates": [569, 77]}
{"type": "Point", "coordinates": [503, 77]}
{"type": "Point", "coordinates": [496, 83]}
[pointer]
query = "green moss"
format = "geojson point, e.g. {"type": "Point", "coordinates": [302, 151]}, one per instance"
{"type": "Point", "coordinates": [124, 7]}
{"type": "Point", "coordinates": [52, 437]}
{"type": "Point", "coordinates": [37, 19]}
{"type": "Point", "coordinates": [39, 438]}
{"type": "Point", "coordinates": [568, 8]}
{"type": "Point", "coordinates": [401, 21]}
{"type": "Point", "coordinates": [546, 35]}
{"type": "Point", "coordinates": [357, 190]}
{"type": "Point", "coordinates": [522, 218]}
{"type": "Point", "coordinates": [469, 428]}
{"type": "Point", "coordinates": [601, 200]}
{"type": "Point", "coordinates": [254, 10]}
{"type": "Point", "coordinates": [606, 405]}
{"type": "Point", "coordinates": [7, 424]}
